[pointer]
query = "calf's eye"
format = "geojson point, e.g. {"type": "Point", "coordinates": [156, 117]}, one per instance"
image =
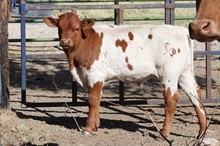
{"type": "Point", "coordinates": [75, 29]}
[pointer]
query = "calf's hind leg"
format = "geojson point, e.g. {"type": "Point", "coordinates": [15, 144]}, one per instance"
{"type": "Point", "coordinates": [94, 98]}
{"type": "Point", "coordinates": [189, 85]}
{"type": "Point", "coordinates": [170, 98]}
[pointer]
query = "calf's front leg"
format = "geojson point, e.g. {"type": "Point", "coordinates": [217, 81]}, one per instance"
{"type": "Point", "coordinates": [94, 98]}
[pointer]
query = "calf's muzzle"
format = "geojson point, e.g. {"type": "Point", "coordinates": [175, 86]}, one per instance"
{"type": "Point", "coordinates": [65, 43]}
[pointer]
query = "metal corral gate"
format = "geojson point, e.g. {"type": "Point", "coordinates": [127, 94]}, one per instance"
{"type": "Point", "coordinates": [168, 5]}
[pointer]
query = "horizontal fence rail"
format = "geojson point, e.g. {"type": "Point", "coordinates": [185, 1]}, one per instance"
{"type": "Point", "coordinates": [49, 6]}
{"type": "Point", "coordinates": [119, 6]}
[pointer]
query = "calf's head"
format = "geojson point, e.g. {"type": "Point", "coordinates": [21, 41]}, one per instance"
{"type": "Point", "coordinates": [206, 26]}
{"type": "Point", "coordinates": [70, 29]}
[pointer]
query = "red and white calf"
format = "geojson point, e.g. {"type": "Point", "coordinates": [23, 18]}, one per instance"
{"type": "Point", "coordinates": [133, 53]}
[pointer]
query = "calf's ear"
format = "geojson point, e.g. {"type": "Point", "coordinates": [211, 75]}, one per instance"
{"type": "Point", "coordinates": [51, 22]}
{"type": "Point", "coordinates": [86, 24]}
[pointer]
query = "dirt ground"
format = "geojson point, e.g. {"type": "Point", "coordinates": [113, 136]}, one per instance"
{"type": "Point", "coordinates": [49, 84]}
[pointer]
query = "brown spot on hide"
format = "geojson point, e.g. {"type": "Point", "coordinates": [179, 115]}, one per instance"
{"type": "Point", "coordinates": [122, 43]}
{"type": "Point", "coordinates": [130, 67]}
{"type": "Point", "coordinates": [179, 50]}
{"type": "Point", "coordinates": [131, 36]}
{"type": "Point", "coordinates": [172, 52]}
{"type": "Point", "coordinates": [126, 59]}
{"type": "Point", "coordinates": [150, 36]}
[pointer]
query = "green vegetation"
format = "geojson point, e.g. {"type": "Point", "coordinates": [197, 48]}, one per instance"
{"type": "Point", "coordinates": [136, 16]}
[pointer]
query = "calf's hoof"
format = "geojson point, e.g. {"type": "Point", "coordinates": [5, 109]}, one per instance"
{"type": "Point", "coordinates": [200, 136]}
{"type": "Point", "coordinates": [88, 130]}
{"type": "Point", "coordinates": [159, 139]}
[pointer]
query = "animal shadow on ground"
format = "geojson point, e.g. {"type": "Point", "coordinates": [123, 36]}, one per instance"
{"type": "Point", "coordinates": [68, 121]}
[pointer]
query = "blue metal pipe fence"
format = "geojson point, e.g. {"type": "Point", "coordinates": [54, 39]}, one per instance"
{"type": "Point", "coordinates": [169, 6]}
{"type": "Point", "coordinates": [22, 11]}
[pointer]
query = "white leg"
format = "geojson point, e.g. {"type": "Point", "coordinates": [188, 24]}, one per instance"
{"type": "Point", "coordinates": [189, 85]}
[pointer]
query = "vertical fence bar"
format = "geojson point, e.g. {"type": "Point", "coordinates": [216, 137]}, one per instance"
{"type": "Point", "coordinates": [74, 91]}
{"type": "Point", "coordinates": [121, 92]}
{"type": "Point", "coordinates": [208, 72]}
{"type": "Point", "coordinates": [22, 11]}
{"type": "Point", "coordinates": [169, 12]}
{"type": "Point", "coordinates": [121, 15]}
{"type": "Point", "coordinates": [116, 13]}
{"type": "Point", "coordinates": [121, 84]}
{"type": "Point", "coordinates": [118, 21]}
{"type": "Point", "coordinates": [172, 13]}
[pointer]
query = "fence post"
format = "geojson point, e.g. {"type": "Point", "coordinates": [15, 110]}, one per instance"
{"type": "Point", "coordinates": [4, 62]}
{"type": "Point", "coordinates": [208, 71]}
{"type": "Point", "coordinates": [119, 19]}
{"type": "Point", "coordinates": [116, 13]}
{"type": "Point", "coordinates": [169, 12]}
{"type": "Point", "coordinates": [22, 11]}
{"type": "Point", "coordinates": [74, 91]}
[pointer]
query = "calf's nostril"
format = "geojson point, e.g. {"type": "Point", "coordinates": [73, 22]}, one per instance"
{"type": "Point", "coordinates": [205, 26]}
{"type": "Point", "coordinates": [62, 42]}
